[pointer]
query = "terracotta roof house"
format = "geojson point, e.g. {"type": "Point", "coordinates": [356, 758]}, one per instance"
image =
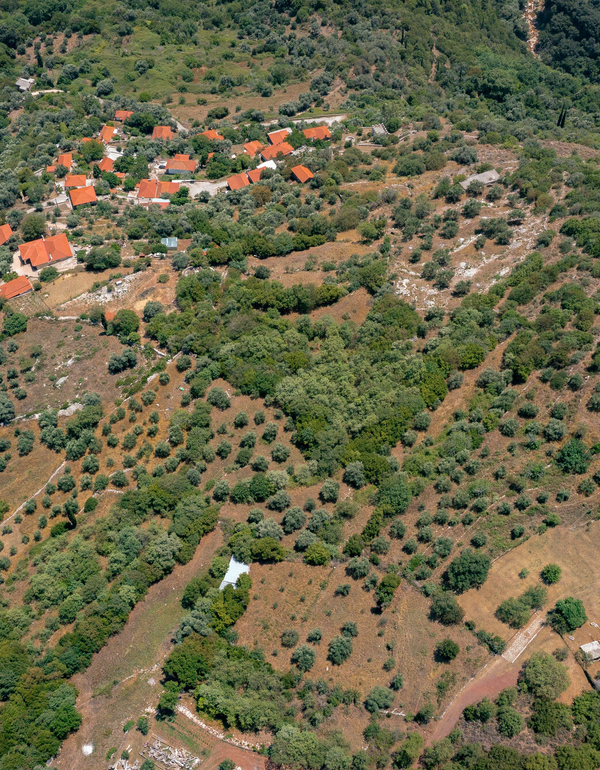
{"type": "Point", "coordinates": [122, 115]}
{"type": "Point", "coordinates": [163, 132]}
{"type": "Point", "coordinates": [302, 173]}
{"type": "Point", "coordinates": [152, 188]}
{"type": "Point", "coordinates": [106, 134]}
{"type": "Point", "coordinates": [318, 132]}
{"type": "Point", "coordinates": [106, 164]}
{"type": "Point", "coordinates": [212, 134]}
{"type": "Point", "coordinates": [50, 169]}
{"type": "Point", "coordinates": [274, 150]}
{"type": "Point", "coordinates": [5, 233]}
{"type": "Point", "coordinates": [86, 139]}
{"type": "Point", "coordinates": [15, 287]}
{"type": "Point", "coordinates": [180, 164]}
{"type": "Point", "coordinates": [255, 175]}
{"type": "Point", "coordinates": [66, 159]}
{"type": "Point", "coordinates": [237, 181]}
{"type": "Point", "coordinates": [44, 251]}
{"type": "Point", "coordinates": [82, 195]}
{"type": "Point", "coordinates": [276, 137]}
{"type": "Point", "coordinates": [75, 180]}
{"type": "Point", "coordinates": [251, 148]}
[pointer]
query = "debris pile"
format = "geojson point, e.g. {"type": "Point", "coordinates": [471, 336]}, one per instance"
{"type": "Point", "coordinates": [168, 757]}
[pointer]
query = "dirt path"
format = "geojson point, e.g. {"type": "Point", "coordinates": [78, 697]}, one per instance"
{"type": "Point", "coordinates": [489, 682]}
{"type": "Point", "coordinates": [123, 679]}
{"type": "Point", "coordinates": [532, 9]}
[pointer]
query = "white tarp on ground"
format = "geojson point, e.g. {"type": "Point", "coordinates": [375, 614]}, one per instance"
{"type": "Point", "coordinates": [235, 569]}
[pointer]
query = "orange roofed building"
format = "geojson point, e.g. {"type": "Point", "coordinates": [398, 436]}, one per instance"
{"type": "Point", "coordinates": [163, 132]}
{"type": "Point", "coordinates": [106, 164]}
{"type": "Point", "coordinates": [318, 132]}
{"type": "Point", "coordinates": [255, 175]}
{"type": "Point", "coordinates": [283, 148]}
{"type": "Point", "coordinates": [82, 195]}
{"type": "Point", "coordinates": [45, 251]}
{"type": "Point", "coordinates": [276, 137]}
{"type": "Point", "coordinates": [66, 160]}
{"type": "Point", "coordinates": [237, 182]}
{"type": "Point", "coordinates": [75, 180]}
{"type": "Point", "coordinates": [302, 174]}
{"type": "Point", "coordinates": [106, 134]}
{"type": "Point", "coordinates": [212, 134]}
{"type": "Point", "coordinates": [251, 148]}
{"type": "Point", "coordinates": [122, 115]}
{"type": "Point", "coordinates": [181, 164]}
{"type": "Point", "coordinates": [5, 233]}
{"type": "Point", "coordinates": [149, 189]}
{"type": "Point", "coordinates": [15, 287]}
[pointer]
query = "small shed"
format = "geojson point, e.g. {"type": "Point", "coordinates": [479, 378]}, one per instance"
{"type": "Point", "coordinates": [486, 178]}
{"type": "Point", "coordinates": [235, 569]}
{"type": "Point", "coordinates": [24, 84]}
{"type": "Point", "coordinates": [591, 650]}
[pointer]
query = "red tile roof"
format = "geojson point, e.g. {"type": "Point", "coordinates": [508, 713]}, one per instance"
{"type": "Point", "coordinates": [151, 188]}
{"type": "Point", "coordinates": [212, 134]}
{"type": "Point", "coordinates": [302, 173]}
{"type": "Point", "coordinates": [65, 159]}
{"type": "Point", "coordinates": [5, 233]}
{"type": "Point", "coordinates": [251, 148]}
{"type": "Point", "coordinates": [46, 250]}
{"type": "Point", "coordinates": [276, 137]}
{"type": "Point", "coordinates": [122, 115]}
{"type": "Point", "coordinates": [255, 174]}
{"type": "Point", "coordinates": [318, 132]}
{"type": "Point", "coordinates": [50, 169]}
{"type": "Point", "coordinates": [15, 287]}
{"type": "Point", "coordinates": [86, 139]}
{"type": "Point", "coordinates": [163, 132]}
{"type": "Point", "coordinates": [274, 150]}
{"type": "Point", "coordinates": [82, 195]}
{"type": "Point", "coordinates": [106, 134]}
{"type": "Point", "coordinates": [181, 163]}
{"type": "Point", "coordinates": [167, 187]}
{"type": "Point", "coordinates": [237, 182]}
{"type": "Point", "coordinates": [109, 315]}
{"type": "Point", "coordinates": [75, 180]}
{"type": "Point", "coordinates": [106, 164]}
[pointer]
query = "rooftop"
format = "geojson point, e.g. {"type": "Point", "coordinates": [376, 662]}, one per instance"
{"type": "Point", "coordinates": [302, 173]}
{"type": "Point", "coordinates": [107, 133]}
{"type": "Point", "coordinates": [162, 132]}
{"type": "Point", "coordinates": [123, 114]}
{"type": "Point", "coordinates": [45, 250]}
{"type": "Point", "coordinates": [276, 137]}
{"type": "Point", "coordinates": [106, 164]}
{"type": "Point", "coordinates": [15, 287]}
{"type": "Point", "coordinates": [5, 233]}
{"type": "Point", "coordinates": [283, 148]}
{"type": "Point", "coordinates": [237, 182]}
{"type": "Point", "coordinates": [251, 148]}
{"type": "Point", "coordinates": [235, 569]}
{"type": "Point", "coordinates": [75, 180]}
{"type": "Point", "coordinates": [319, 132]}
{"type": "Point", "coordinates": [212, 134]}
{"type": "Point", "coordinates": [486, 177]}
{"type": "Point", "coordinates": [82, 195]}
